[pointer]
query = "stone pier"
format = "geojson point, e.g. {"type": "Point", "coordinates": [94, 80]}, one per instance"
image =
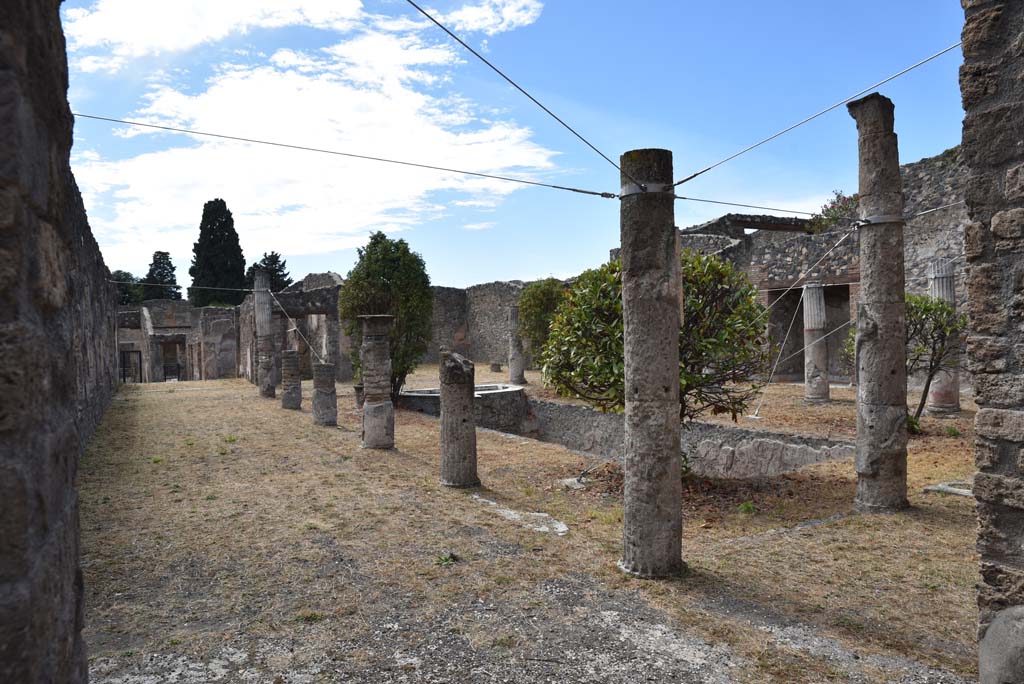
{"type": "Point", "coordinates": [652, 514]}
{"type": "Point", "coordinates": [816, 389]}
{"type": "Point", "coordinates": [458, 425]}
{"type": "Point", "coordinates": [516, 357]}
{"type": "Point", "coordinates": [944, 394]}
{"type": "Point", "coordinates": [325, 395]}
{"type": "Point", "coordinates": [291, 380]}
{"type": "Point", "coordinates": [993, 99]}
{"type": "Point", "coordinates": [375, 360]}
{"type": "Point", "coordinates": [264, 333]}
{"type": "Point", "coordinates": [881, 460]}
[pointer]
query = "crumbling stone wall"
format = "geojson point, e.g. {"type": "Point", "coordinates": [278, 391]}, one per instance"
{"type": "Point", "coordinates": [448, 321]}
{"type": "Point", "coordinates": [58, 347]}
{"type": "Point", "coordinates": [487, 308]}
{"type": "Point", "coordinates": [993, 98]}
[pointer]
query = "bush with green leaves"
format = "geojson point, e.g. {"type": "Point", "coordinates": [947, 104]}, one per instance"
{"type": "Point", "coordinates": [934, 329]}
{"type": "Point", "coordinates": [840, 208]}
{"type": "Point", "coordinates": [722, 339]}
{"type": "Point", "coordinates": [391, 279]}
{"type": "Point", "coordinates": [537, 304]}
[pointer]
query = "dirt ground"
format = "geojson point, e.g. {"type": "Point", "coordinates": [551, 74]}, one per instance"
{"type": "Point", "coordinates": [227, 540]}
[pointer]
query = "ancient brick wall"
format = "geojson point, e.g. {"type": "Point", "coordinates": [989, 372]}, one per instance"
{"type": "Point", "coordinates": [487, 308]}
{"type": "Point", "coordinates": [448, 323]}
{"type": "Point", "coordinates": [58, 352]}
{"type": "Point", "coordinates": [993, 98]}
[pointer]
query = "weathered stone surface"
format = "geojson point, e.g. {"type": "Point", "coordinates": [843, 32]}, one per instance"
{"type": "Point", "coordinates": [881, 326]}
{"type": "Point", "coordinates": [516, 357]}
{"type": "Point", "coordinates": [458, 425]}
{"type": "Point", "coordinates": [652, 516]}
{"type": "Point", "coordinates": [1001, 651]}
{"type": "Point", "coordinates": [325, 395]}
{"type": "Point", "coordinates": [992, 134]}
{"type": "Point", "coordinates": [265, 374]}
{"type": "Point", "coordinates": [816, 388]}
{"type": "Point", "coordinates": [291, 381]}
{"type": "Point", "coordinates": [58, 352]}
{"type": "Point", "coordinates": [375, 360]}
{"type": "Point", "coordinates": [944, 394]}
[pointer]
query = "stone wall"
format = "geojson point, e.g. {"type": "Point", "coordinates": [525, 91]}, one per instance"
{"type": "Point", "coordinates": [57, 352]}
{"type": "Point", "coordinates": [448, 323]}
{"type": "Point", "coordinates": [993, 98]}
{"type": "Point", "coordinates": [213, 343]}
{"type": "Point", "coordinates": [487, 308]}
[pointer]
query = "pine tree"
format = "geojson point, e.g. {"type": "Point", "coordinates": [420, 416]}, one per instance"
{"type": "Point", "coordinates": [161, 272]}
{"type": "Point", "coordinates": [217, 259]}
{"type": "Point", "coordinates": [128, 291]}
{"type": "Point", "coordinates": [273, 264]}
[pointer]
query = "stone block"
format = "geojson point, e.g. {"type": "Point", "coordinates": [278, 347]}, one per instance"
{"type": "Point", "coordinates": [378, 425]}
{"type": "Point", "coordinates": [976, 236]}
{"type": "Point", "coordinates": [1008, 224]}
{"type": "Point", "coordinates": [50, 287]}
{"type": "Point", "coordinates": [999, 490]}
{"type": "Point", "coordinates": [1014, 186]}
{"type": "Point", "coordinates": [999, 390]}
{"type": "Point", "coordinates": [1001, 651]}
{"type": "Point", "coordinates": [986, 354]}
{"type": "Point", "coordinates": [1000, 424]}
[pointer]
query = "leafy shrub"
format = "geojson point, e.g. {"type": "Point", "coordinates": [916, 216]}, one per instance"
{"type": "Point", "coordinates": [389, 279]}
{"type": "Point", "coordinates": [722, 341]}
{"type": "Point", "coordinates": [537, 304]}
{"type": "Point", "coordinates": [838, 209]}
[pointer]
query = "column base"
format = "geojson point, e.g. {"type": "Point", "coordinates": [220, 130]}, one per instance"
{"type": "Point", "coordinates": [641, 573]}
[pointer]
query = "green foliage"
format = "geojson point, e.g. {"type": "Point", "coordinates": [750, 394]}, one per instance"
{"type": "Point", "coordinates": [390, 279]}
{"type": "Point", "coordinates": [952, 431]}
{"type": "Point", "coordinates": [933, 339]}
{"type": "Point", "coordinates": [747, 508]}
{"type": "Point", "coordinates": [914, 425]}
{"type": "Point", "coordinates": [722, 346]}
{"type": "Point", "coordinates": [217, 259]}
{"type": "Point", "coordinates": [129, 293]}
{"type": "Point", "coordinates": [840, 208]}
{"type": "Point", "coordinates": [537, 304]}
{"type": "Point", "coordinates": [276, 268]}
{"type": "Point", "coordinates": [160, 280]}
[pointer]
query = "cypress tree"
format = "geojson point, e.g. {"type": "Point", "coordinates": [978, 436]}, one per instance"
{"type": "Point", "coordinates": [274, 265]}
{"type": "Point", "coordinates": [161, 276]}
{"type": "Point", "coordinates": [217, 259]}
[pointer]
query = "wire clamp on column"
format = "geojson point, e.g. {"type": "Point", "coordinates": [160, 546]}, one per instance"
{"type": "Point", "coordinates": [630, 189]}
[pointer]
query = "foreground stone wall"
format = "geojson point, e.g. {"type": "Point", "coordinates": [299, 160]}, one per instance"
{"type": "Point", "coordinates": [58, 363]}
{"type": "Point", "coordinates": [993, 97]}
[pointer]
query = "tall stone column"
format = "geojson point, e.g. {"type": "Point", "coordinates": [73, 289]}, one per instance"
{"type": "Point", "coordinates": [264, 333]}
{"type": "Point", "coordinates": [375, 360]}
{"type": "Point", "coordinates": [881, 460]}
{"type": "Point", "coordinates": [944, 394]}
{"type": "Point", "coordinates": [291, 380]}
{"type": "Point", "coordinates": [458, 424]}
{"type": "Point", "coordinates": [516, 357]}
{"type": "Point", "coordinates": [652, 515]}
{"type": "Point", "coordinates": [325, 395]}
{"type": "Point", "coordinates": [993, 99]}
{"type": "Point", "coordinates": [816, 389]}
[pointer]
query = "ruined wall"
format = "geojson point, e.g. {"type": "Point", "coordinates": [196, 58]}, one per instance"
{"type": "Point", "coordinates": [780, 262]}
{"type": "Point", "coordinates": [487, 308]}
{"type": "Point", "coordinates": [448, 323]}
{"type": "Point", "coordinates": [247, 339]}
{"type": "Point", "coordinates": [993, 97]}
{"type": "Point", "coordinates": [216, 330]}
{"type": "Point", "coordinates": [58, 351]}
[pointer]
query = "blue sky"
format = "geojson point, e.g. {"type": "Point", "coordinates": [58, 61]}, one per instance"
{"type": "Point", "coordinates": [371, 77]}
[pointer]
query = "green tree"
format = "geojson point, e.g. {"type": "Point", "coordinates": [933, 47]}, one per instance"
{"type": "Point", "coordinates": [217, 260]}
{"type": "Point", "coordinates": [537, 305]}
{"type": "Point", "coordinates": [838, 209]}
{"type": "Point", "coordinates": [722, 346]}
{"type": "Point", "coordinates": [934, 330]}
{"type": "Point", "coordinates": [274, 265]}
{"type": "Point", "coordinates": [129, 292]}
{"type": "Point", "coordinates": [390, 279]}
{"type": "Point", "coordinates": [160, 281]}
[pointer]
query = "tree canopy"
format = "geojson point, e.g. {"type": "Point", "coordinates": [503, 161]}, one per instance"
{"type": "Point", "coordinates": [276, 267]}
{"type": "Point", "coordinates": [537, 305]}
{"type": "Point", "coordinates": [722, 341]}
{"type": "Point", "coordinates": [128, 291]}
{"type": "Point", "coordinates": [217, 259]}
{"type": "Point", "coordinates": [390, 279]}
{"type": "Point", "coordinates": [160, 281]}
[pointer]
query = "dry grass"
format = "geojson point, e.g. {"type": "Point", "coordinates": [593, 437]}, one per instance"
{"type": "Point", "coordinates": [207, 512]}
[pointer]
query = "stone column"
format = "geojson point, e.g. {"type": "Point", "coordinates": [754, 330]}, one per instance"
{"type": "Point", "coordinates": [458, 425]}
{"type": "Point", "coordinates": [264, 333]}
{"type": "Point", "coordinates": [325, 395]}
{"type": "Point", "coordinates": [652, 515]}
{"type": "Point", "coordinates": [881, 460]}
{"type": "Point", "coordinates": [375, 360]}
{"type": "Point", "coordinates": [516, 357]}
{"type": "Point", "coordinates": [993, 99]}
{"type": "Point", "coordinates": [815, 348]}
{"type": "Point", "coordinates": [291, 381]}
{"type": "Point", "coordinates": [944, 394]}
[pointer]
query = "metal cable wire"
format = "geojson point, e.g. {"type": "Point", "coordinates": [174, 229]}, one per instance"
{"type": "Point", "coordinates": [187, 287]}
{"type": "Point", "coordinates": [523, 91]}
{"type": "Point", "coordinates": [606, 195]}
{"type": "Point", "coordinates": [737, 204]}
{"type": "Point", "coordinates": [815, 116]}
{"type": "Point", "coordinates": [295, 327]}
{"type": "Point", "coordinates": [778, 359]}
{"type": "Point", "coordinates": [829, 333]}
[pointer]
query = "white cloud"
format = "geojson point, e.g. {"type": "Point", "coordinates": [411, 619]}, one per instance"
{"type": "Point", "coordinates": [494, 16]}
{"type": "Point", "coordinates": [127, 29]}
{"type": "Point", "coordinates": [483, 225]}
{"type": "Point", "coordinates": [363, 96]}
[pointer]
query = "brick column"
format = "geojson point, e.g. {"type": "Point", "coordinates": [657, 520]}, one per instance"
{"type": "Point", "coordinates": [375, 360]}
{"type": "Point", "coordinates": [516, 357]}
{"type": "Point", "coordinates": [291, 380]}
{"type": "Point", "coordinates": [325, 395]}
{"type": "Point", "coordinates": [264, 333]}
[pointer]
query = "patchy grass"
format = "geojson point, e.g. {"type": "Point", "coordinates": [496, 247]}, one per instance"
{"type": "Point", "coordinates": [294, 532]}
